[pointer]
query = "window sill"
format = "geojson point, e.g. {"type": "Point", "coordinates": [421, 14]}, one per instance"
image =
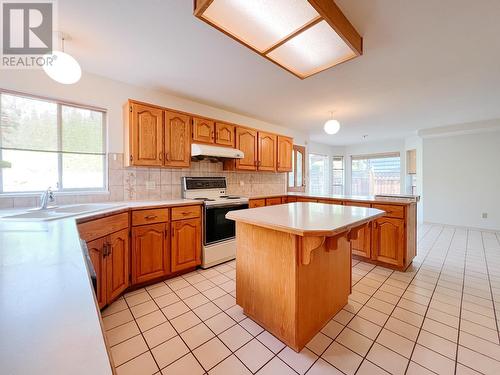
{"type": "Point", "coordinates": [56, 193]}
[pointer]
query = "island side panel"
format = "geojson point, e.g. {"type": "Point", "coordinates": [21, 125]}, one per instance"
{"type": "Point", "coordinates": [323, 289]}
{"type": "Point", "coordinates": [265, 278]}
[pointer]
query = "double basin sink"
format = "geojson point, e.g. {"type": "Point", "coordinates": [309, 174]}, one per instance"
{"type": "Point", "coordinates": [53, 213]}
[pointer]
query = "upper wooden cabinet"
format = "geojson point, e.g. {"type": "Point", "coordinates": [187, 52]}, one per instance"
{"type": "Point", "coordinates": [246, 141]}
{"type": "Point", "coordinates": [145, 135]}
{"type": "Point", "coordinates": [224, 134]}
{"type": "Point", "coordinates": [177, 140]}
{"type": "Point", "coordinates": [203, 130]}
{"type": "Point", "coordinates": [285, 150]}
{"type": "Point", "coordinates": [267, 152]}
{"type": "Point", "coordinates": [411, 162]}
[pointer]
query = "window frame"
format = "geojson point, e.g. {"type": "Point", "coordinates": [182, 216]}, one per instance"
{"type": "Point", "coordinates": [333, 185]}
{"type": "Point", "coordinates": [327, 170]}
{"type": "Point", "coordinates": [297, 189]}
{"type": "Point", "coordinates": [393, 154]}
{"type": "Point", "coordinates": [59, 104]}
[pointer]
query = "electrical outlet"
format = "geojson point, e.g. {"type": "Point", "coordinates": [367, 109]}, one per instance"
{"type": "Point", "coordinates": [484, 215]}
{"type": "Point", "coordinates": [150, 185]}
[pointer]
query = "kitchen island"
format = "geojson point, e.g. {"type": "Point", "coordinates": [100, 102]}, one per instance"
{"type": "Point", "coordinates": [293, 269]}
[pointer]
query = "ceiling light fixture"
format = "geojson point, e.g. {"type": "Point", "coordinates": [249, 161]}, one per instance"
{"type": "Point", "coordinates": [332, 126]}
{"type": "Point", "coordinates": [304, 37]}
{"type": "Point", "coordinates": [64, 69]}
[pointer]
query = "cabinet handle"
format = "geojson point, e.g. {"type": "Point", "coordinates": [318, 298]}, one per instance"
{"type": "Point", "coordinates": [150, 217]}
{"type": "Point", "coordinates": [106, 250]}
{"type": "Point", "coordinates": [166, 156]}
{"type": "Point", "coordinates": [160, 155]}
{"type": "Point", "coordinates": [110, 249]}
{"type": "Point", "coordinates": [185, 213]}
{"type": "Point", "coordinates": [212, 134]}
{"type": "Point", "coordinates": [166, 233]}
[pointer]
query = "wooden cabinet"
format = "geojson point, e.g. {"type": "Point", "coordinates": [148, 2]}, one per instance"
{"type": "Point", "coordinates": [388, 239]}
{"type": "Point", "coordinates": [177, 140]}
{"type": "Point", "coordinates": [203, 130]}
{"type": "Point", "coordinates": [117, 264]}
{"type": "Point", "coordinates": [362, 245]}
{"type": "Point", "coordinates": [145, 134]}
{"type": "Point", "coordinates": [267, 152]}
{"type": "Point", "coordinates": [96, 252]}
{"type": "Point", "coordinates": [285, 150]}
{"type": "Point", "coordinates": [253, 203]}
{"type": "Point", "coordinates": [411, 162]}
{"type": "Point", "coordinates": [224, 134]}
{"type": "Point", "coordinates": [273, 201]}
{"type": "Point", "coordinates": [150, 252]}
{"type": "Point", "coordinates": [246, 141]}
{"type": "Point", "coordinates": [186, 244]}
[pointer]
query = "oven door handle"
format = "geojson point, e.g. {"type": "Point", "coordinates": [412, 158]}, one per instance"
{"type": "Point", "coordinates": [226, 205]}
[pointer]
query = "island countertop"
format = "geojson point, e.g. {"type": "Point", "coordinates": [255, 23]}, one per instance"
{"type": "Point", "coordinates": [389, 199]}
{"type": "Point", "coordinates": [306, 219]}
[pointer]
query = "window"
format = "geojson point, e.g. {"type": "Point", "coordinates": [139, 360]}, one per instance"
{"type": "Point", "coordinates": [376, 174]}
{"type": "Point", "coordinates": [318, 174]}
{"type": "Point", "coordinates": [50, 143]}
{"type": "Point", "coordinates": [338, 175]}
{"type": "Point", "coordinates": [296, 176]}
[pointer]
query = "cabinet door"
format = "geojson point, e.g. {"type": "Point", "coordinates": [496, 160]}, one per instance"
{"type": "Point", "coordinates": [267, 152]}
{"type": "Point", "coordinates": [150, 252]}
{"type": "Point", "coordinates": [273, 201]}
{"type": "Point", "coordinates": [285, 150]}
{"type": "Point", "coordinates": [177, 140]}
{"type": "Point", "coordinates": [362, 245]}
{"type": "Point", "coordinates": [146, 135]}
{"type": "Point", "coordinates": [117, 264]}
{"type": "Point", "coordinates": [388, 240]}
{"type": "Point", "coordinates": [224, 134]}
{"type": "Point", "coordinates": [203, 130]}
{"type": "Point", "coordinates": [96, 248]}
{"type": "Point", "coordinates": [253, 203]}
{"type": "Point", "coordinates": [246, 141]}
{"type": "Point", "coordinates": [186, 244]}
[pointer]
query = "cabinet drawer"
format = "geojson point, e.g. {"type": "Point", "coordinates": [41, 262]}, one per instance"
{"type": "Point", "coordinates": [156, 215]}
{"type": "Point", "coordinates": [98, 228]}
{"type": "Point", "coordinates": [358, 204]}
{"type": "Point", "coordinates": [256, 203]}
{"type": "Point", "coordinates": [273, 201]}
{"type": "Point", "coordinates": [187, 212]}
{"type": "Point", "coordinates": [391, 210]}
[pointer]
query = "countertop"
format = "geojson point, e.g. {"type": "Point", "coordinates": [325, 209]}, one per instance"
{"type": "Point", "coordinates": [306, 219]}
{"type": "Point", "coordinates": [49, 321]}
{"type": "Point", "coordinates": [353, 198]}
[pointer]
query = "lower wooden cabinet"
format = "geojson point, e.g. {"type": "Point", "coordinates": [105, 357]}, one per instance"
{"type": "Point", "coordinates": [186, 244]}
{"type": "Point", "coordinates": [256, 203]}
{"type": "Point", "coordinates": [388, 237]}
{"type": "Point", "coordinates": [150, 252]}
{"type": "Point", "coordinates": [362, 245]}
{"type": "Point", "coordinates": [110, 258]}
{"type": "Point", "coordinates": [273, 201]}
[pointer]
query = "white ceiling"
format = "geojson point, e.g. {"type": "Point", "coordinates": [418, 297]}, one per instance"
{"type": "Point", "coordinates": [426, 63]}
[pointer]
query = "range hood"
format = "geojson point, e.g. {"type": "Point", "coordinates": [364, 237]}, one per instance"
{"type": "Point", "coordinates": [200, 151]}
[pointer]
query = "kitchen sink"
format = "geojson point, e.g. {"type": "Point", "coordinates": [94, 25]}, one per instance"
{"type": "Point", "coordinates": [59, 212]}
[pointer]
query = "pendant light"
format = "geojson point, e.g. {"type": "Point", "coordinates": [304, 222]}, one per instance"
{"type": "Point", "coordinates": [64, 68]}
{"type": "Point", "coordinates": [332, 126]}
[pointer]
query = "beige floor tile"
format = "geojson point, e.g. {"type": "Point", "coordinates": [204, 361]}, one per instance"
{"type": "Point", "coordinates": [187, 365]}
{"type": "Point", "coordinates": [387, 359]}
{"type": "Point", "coordinates": [177, 283]}
{"type": "Point", "coordinates": [143, 364]}
{"type": "Point", "coordinates": [321, 367]}
{"type": "Point", "coordinates": [196, 300]}
{"type": "Point", "coordinates": [276, 366]}
{"type": "Point", "coordinates": [477, 361]}
{"type": "Point", "coordinates": [480, 345]}
{"type": "Point", "coordinates": [254, 355]}
{"type": "Point", "coordinates": [185, 321]}
{"type": "Point", "coordinates": [151, 320]}
{"type": "Point", "coordinates": [253, 328]}
{"type": "Point", "coordinates": [229, 286]}
{"type": "Point", "coordinates": [236, 313]}
{"type": "Point", "coordinates": [167, 299]}
{"type": "Point", "coordinates": [159, 334]}
{"type": "Point", "coordinates": [159, 291]}
{"type": "Point", "coordinates": [194, 278]}
{"type": "Point", "coordinates": [432, 360]}
{"type": "Point", "coordinates": [138, 298]}
{"type": "Point", "coordinates": [485, 321]}
{"type": "Point", "coordinates": [386, 297]}
{"type": "Point", "coordinates": [128, 349]}
{"type": "Point", "coordinates": [143, 309]}
{"type": "Point", "coordinates": [438, 344]}
{"type": "Point", "coordinates": [380, 305]}
{"type": "Point", "coordinates": [343, 317]}
{"type": "Point", "coordinates": [169, 351]}
{"type": "Point", "coordinates": [402, 328]}
{"type": "Point", "coordinates": [479, 330]}
{"type": "Point", "coordinates": [301, 361]}
{"type": "Point", "coordinates": [220, 322]}
{"type": "Point", "coordinates": [231, 365]}
{"type": "Point", "coordinates": [365, 327]}
{"type": "Point", "coordinates": [211, 353]}
{"type": "Point", "coordinates": [368, 368]}
{"type": "Point", "coordinates": [235, 337]}
{"type": "Point", "coordinates": [197, 335]}
{"type": "Point", "coordinates": [464, 370]}
{"type": "Point", "coordinates": [117, 319]}
{"type": "Point", "coordinates": [412, 306]}
{"type": "Point", "coordinates": [442, 317]}
{"type": "Point", "coordinates": [186, 292]}
{"type": "Point", "coordinates": [115, 307]}
{"type": "Point", "coordinates": [122, 333]}
{"type": "Point", "coordinates": [342, 358]}
{"type": "Point", "coordinates": [373, 315]}
{"type": "Point", "coordinates": [214, 293]}
{"type": "Point", "coordinates": [416, 369]}
{"type": "Point", "coordinates": [332, 329]}
{"type": "Point", "coordinates": [225, 302]}
{"type": "Point", "coordinates": [204, 285]}
{"type": "Point", "coordinates": [440, 329]}
{"type": "Point", "coordinates": [354, 341]}
{"type": "Point", "coordinates": [207, 310]}
{"type": "Point", "coordinates": [395, 342]}
{"type": "Point", "coordinates": [175, 309]}
{"type": "Point", "coordinates": [318, 344]}
{"type": "Point", "coordinates": [408, 317]}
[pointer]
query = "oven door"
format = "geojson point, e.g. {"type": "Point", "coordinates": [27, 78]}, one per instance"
{"type": "Point", "coordinates": [217, 227]}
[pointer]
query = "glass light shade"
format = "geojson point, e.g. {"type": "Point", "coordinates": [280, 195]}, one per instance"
{"type": "Point", "coordinates": [312, 51]}
{"type": "Point", "coordinates": [332, 127]}
{"type": "Point", "coordinates": [260, 23]}
{"type": "Point", "coordinates": [64, 69]}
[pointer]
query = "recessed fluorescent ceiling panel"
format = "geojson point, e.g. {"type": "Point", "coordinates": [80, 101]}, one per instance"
{"type": "Point", "coordinates": [302, 36]}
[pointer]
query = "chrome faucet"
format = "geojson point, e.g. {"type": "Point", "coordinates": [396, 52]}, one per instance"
{"type": "Point", "coordinates": [47, 196]}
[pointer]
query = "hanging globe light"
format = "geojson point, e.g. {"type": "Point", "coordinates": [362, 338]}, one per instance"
{"type": "Point", "coordinates": [64, 68]}
{"type": "Point", "coordinates": [332, 126]}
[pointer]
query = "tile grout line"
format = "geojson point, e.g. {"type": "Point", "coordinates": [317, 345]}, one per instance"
{"type": "Point", "coordinates": [489, 284]}
{"type": "Point", "coordinates": [461, 298]}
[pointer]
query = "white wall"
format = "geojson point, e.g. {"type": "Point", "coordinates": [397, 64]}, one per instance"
{"type": "Point", "coordinates": [109, 94]}
{"type": "Point", "coordinates": [461, 180]}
